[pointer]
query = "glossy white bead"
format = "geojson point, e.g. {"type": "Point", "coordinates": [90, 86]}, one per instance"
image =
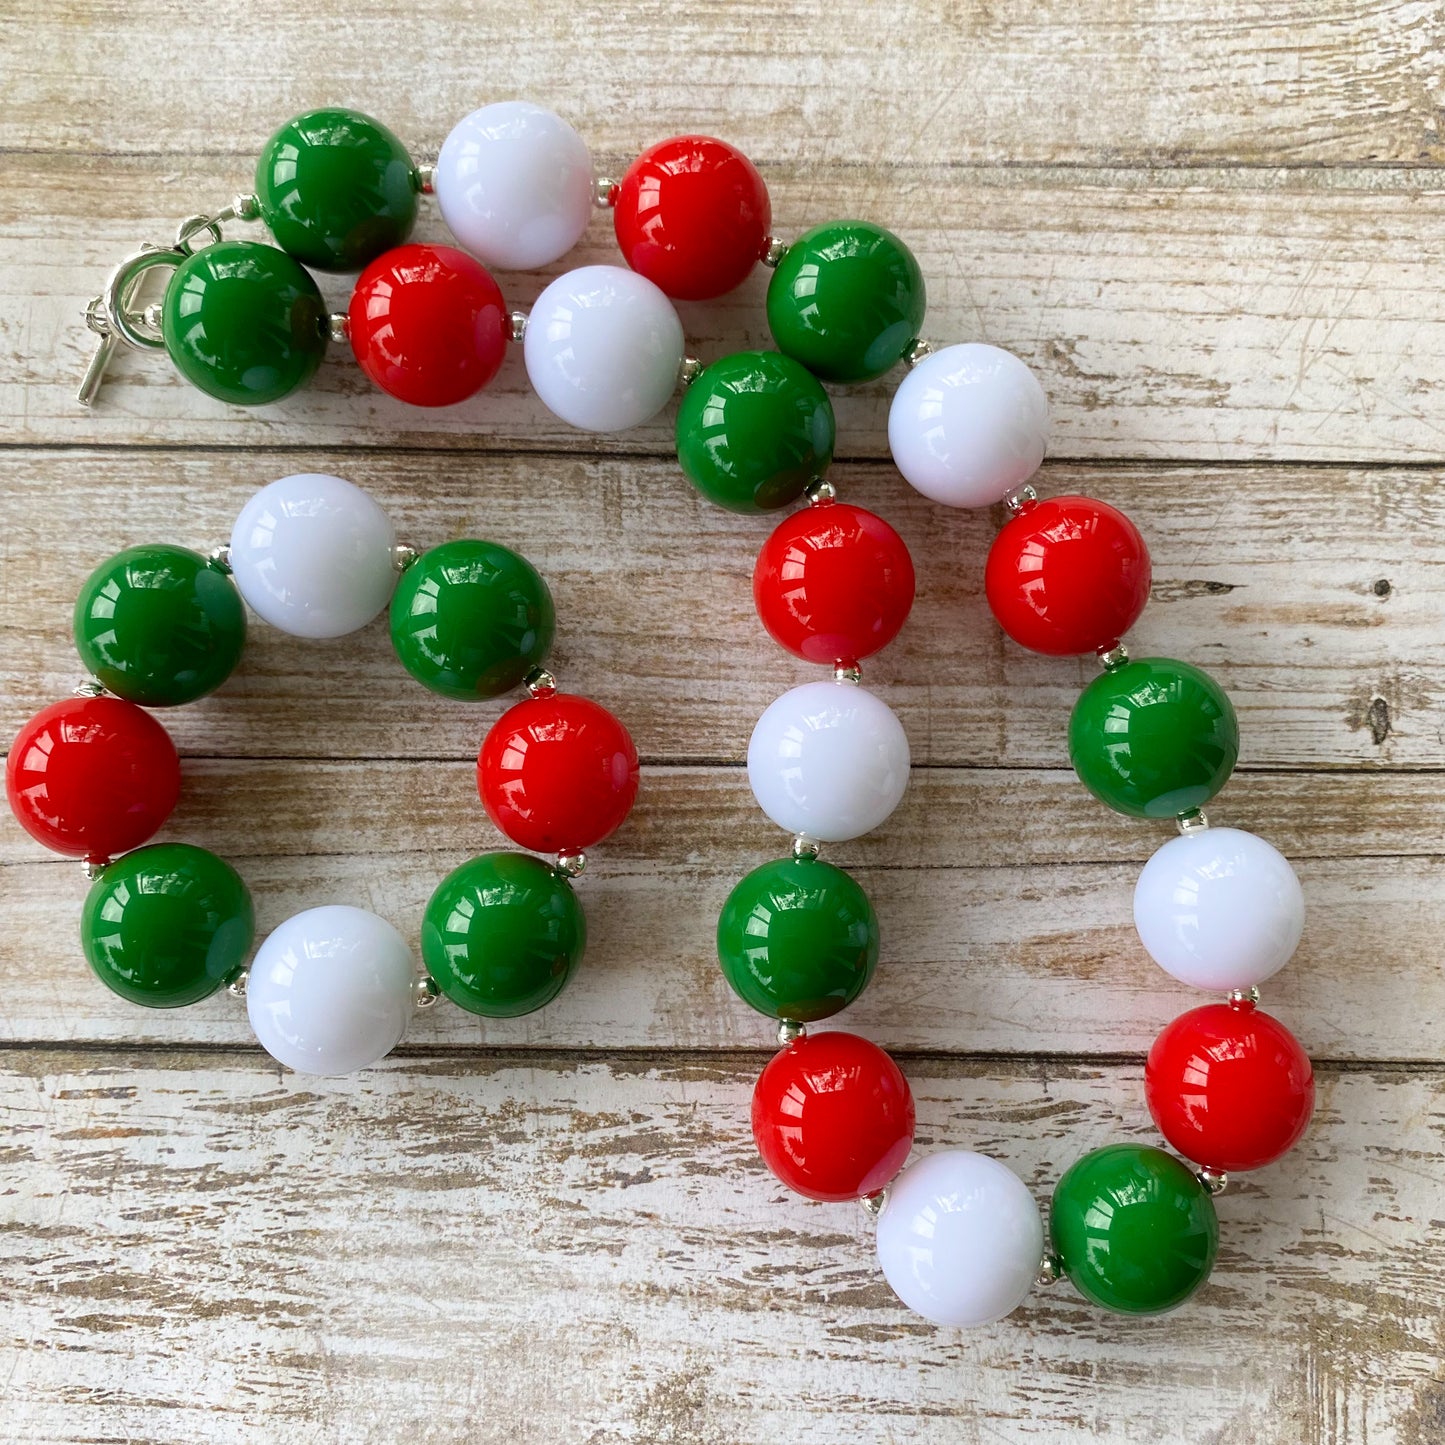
{"type": "Point", "coordinates": [1219, 909]}
{"type": "Point", "coordinates": [330, 990]}
{"type": "Point", "coordinates": [968, 424]}
{"type": "Point", "coordinates": [960, 1238]}
{"type": "Point", "coordinates": [312, 555]}
{"type": "Point", "coordinates": [514, 182]}
{"type": "Point", "coordinates": [603, 348]}
{"type": "Point", "coordinates": [828, 760]}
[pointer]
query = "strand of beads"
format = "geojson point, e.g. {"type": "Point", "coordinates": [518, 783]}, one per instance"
{"type": "Point", "coordinates": [331, 989]}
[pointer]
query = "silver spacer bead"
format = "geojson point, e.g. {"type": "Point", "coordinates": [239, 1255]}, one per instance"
{"type": "Point", "coordinates": [1051, 1268]}
{"type": "Point", "coordinates": [806, 847]}
{"type": "Point", "coordinates": [1196, 820]}
{"type": "Point", "coordinates": [246, 208]}
{"type": "Point", "coordinates": [774, 251]}
{"type": "Point", "coordinates": [604, 193]}
{"type": "Point", "coordinates": [403, 557]}
{"type": "Point", "coordinates": [1111, 659]}
{"type": "Point", "coordinates": [425, 992]}
{"type": "Point", "coordinates": [540, 683]}
{"type": "Point", "coordinates": [570, 865]}
{"type": "Point", "coordinates": [153, 315]}
{"type": "Point", "coordinates": [916, 352]}
{"type": "Point", "coordinates": [848, 672]}
{"type": "Point", "coordinates": [872, 1204]}
{"type": "Point", "coordinates": [90, 687]}
{"type": "Point", "coordinates": [789, 1032]}
{"type": "Point", "coordinates": [338, 326]}
{"type": "Point", "coordinates": [93, 868]}
{"type": "Point", "coordinates": [1020, 499]}
{"type": "Point", "coordinates": [425, 179]}
{"type": "Point", "coordinates": [1214, 1181]}
{"type": "Point", "coordinates": [519, 325]}
{"type": "Point", "coordinates": [1243, 998]}
{"type": "Point", "coordinates": [688, 372]}
{"type": "Point", "coordinates": [220, 557]}
{"type": "Point", "coordinates": [237, 986]}
{"type": "Point", "coordinates": [820, 491]}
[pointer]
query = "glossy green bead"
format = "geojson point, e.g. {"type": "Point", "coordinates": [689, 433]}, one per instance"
{"type": "Point", "coordinates": [1136, 1231]}
{"type": "Point", "coordinates": [159, 625]}
{"type": "Point", "coordinates": [336, 188]}
{"type": "Point", "coordinates": [502, 934]}
{"type": "Point", "coordinates": [847, 300]}
{"type": "Point", "coordinates": [797, 939]}
{"type": "Point", "coordinates": [167, 925]}
{"type": "Point", "coordinates": [471, 619]}
{"type": "Point", "coordinates": [244, 322]}
{"type": "Point", "coordinates": [753, 430]}
{"type": "Point", "coordinates": [1155, 738]}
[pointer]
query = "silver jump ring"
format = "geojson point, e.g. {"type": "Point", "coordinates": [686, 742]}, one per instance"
{"type": "Point", "coordinates": [194, 226]}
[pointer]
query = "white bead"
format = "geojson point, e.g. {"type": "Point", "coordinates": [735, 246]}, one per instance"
{"type": "Point", "coordinates": [828, 760]}
{"type": "Point", "coordinates": [960, 1238]}
{"type": "Point", "coordinates": [514, 182]}
{"type": "Point", "coordinates": [312, 554]}
{"type": "Point", "coordinates": [968, 424]}
{"type": "Point", "coordinates": [603, 348]}
{"type": "Point", "coordinates": [1219, 909]}
{"type": "Point", "coordinates": [330, 990]}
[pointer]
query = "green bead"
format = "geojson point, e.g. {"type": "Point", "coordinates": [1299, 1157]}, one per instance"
{"type": "Point", "coordinates": [159, 625]}
{"type": "Point", "coordinates": [244, 322]}
{"type": "Point", "coordinates": [797, 939]}
{"type": "Point", "coordinates": [167, 925]}
{"type": "Point", "coordinates": [1154, 738]}
{"type": "Point", "coordinates": [753, 430]}
{"type": "Point", "coordinates": [502, 934]}
{"type": "Point", "coordinates": [471, 619]}
{"type": "Point", "coordinates": [336, 188]}
{"type": "Point", "coordinates": [847, 300]}
{"type": "Point", "coordinates": [1136, 1231]}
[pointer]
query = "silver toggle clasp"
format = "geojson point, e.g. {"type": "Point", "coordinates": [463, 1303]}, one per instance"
{"type": "Point", "coordinates": [114, 318]}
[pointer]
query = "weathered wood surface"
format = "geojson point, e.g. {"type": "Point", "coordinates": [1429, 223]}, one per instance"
{"type": "Point", "coordinates": [1215, 232]}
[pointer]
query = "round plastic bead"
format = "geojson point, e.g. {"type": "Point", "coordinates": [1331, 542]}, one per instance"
{"type": "Point", "coordinates": [960, 1239]}
{"type": "Point", "coordinates": [968, 424]}
{"type": "Point", "coordinates": [330, 991]}
{"type": "Point", "coordinates": [159, 625]}
{"type": "Point", "coordinates": [502, 935]}
{"type": "Point", "coordinates": [847, 300]}
{"type": "Point", "coordinates": [470, 619]}
{"type": "Point", "coordinates": [244, 322]}
{"type": "Point", "coordinates": [313, 555]}
{"type": "Point", "coordinates": [797, 939]}
{"type": "Point", "coordinates": [1068, 575]}
{"type": "Point", "coordinates": [1229, 1087]}
{"type": "Point", "coordinates": [753, 430]}
{"type": "Point", "coordinates": [833, 583]}
{"type": "Point", "coordinates": [428, 324]}
{"type": "Point", "coordinates": [92, 777]}
{"type": "Point", "coordinates": [829, 761]}
{"type": "Point", "coordinates": [336, 189]}
{"type": "Point", "coordinates": [514, 182]}
{"type": "Point", "coordinates": [833, 1117]}
{"type": "Point", "coordinates": [1154, 739]}
{"type": "Point", "coordinates": [692, 214]}
{"type": "Point", "coordinates": [1219, 909]}
{"type": "Point", "coordinates": [557, 773]}
{"type": "Point", "coordinates": [603, 348]}
{"type": "Point", "coordinates": [167, 925]}
{"type": "Point", "coordinates": [1136, 1231]}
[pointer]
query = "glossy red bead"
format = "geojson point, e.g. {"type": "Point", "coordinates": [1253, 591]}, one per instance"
{"type": "Point", "coordinates": [692, 215]}
{"type": "Point", "coordinates": [557, 774]}
{"type": "Point", "coordinates": [1229, 1086]}
{"type": "Point", "coordinates": [428, 324]}
{"type": "Point", "coordinates": [1067, 575]}
{"type": "Point", "coordinates": [833, 1116]}
{"type": "Point", "coordinates": [92, 776]}
{"type": "Point", "coordinates": [833, 583]}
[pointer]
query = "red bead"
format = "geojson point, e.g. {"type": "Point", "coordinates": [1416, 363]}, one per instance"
{"type": "Point", "coordinates": [833, 1117]}
{"type": "Point", "coordinates": [428, 324]}
{"type": "Point", "coordinates": [833, 583]}
{"type": "Point", "coordinates": [692, 215]}
{"type": "Point", "coordinates": [1229, 1087]}
{"type": "Point", "coordinates": [1067, 575]}
{"type": "Point", "coordinates": [92, 776]}
{"type": "Point", "coordinates": [557, 774]}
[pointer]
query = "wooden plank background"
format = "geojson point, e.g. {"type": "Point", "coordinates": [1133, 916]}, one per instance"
{"type": "Point", "coordinates": [1215, 231]}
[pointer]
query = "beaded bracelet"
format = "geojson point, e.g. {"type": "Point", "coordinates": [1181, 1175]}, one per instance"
{"type": "Point", "coordinates": [959, 1236]}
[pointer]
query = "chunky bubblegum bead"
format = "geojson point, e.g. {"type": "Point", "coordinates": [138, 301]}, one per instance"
{"type": "Point", "coordinates": [428, 324]}
{"type": "Point", "coordinates": [557, 773]}
{"type": "Point", "coordinates": [692, 215]}
{"type": "Point", "coordinates": [1229, 1086]}
{"type": "Point", "coordinates": [92, 776]}
{"type": "Point", "coordinates": [833, 1117]}
{"type": "Point", "coordinates": [1068, 575]}
{"type": "Point", "coordinates": [834, 583]}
